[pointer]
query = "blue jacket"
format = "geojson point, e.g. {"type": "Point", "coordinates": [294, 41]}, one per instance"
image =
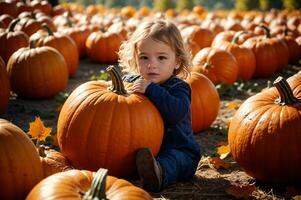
{"type": "Point", "coordinates": [173, 99]}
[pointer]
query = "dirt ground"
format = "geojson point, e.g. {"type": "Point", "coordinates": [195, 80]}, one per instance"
{"type": "Point", "coordinates": [208, 183]}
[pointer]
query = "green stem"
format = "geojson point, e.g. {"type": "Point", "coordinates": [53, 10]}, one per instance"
{"type": "Point", "coordinates": [32, 44]}
{"type": "Point", "coordinates": [117, 83]}
{"type": "Point", "coordinates": [12, 25]}
{"type": "Point", "coordinates": [47, 28]}
{"type": "Point", "coordinates": [98, 186]}
{"type": "Point", "coordinates": [237, 35]}
{"type": "Point", "coordinates": [206, 65]}
{"type": "Point", "coordinates": [286, 94]}
{"type": "Point", "coordinates": [266, 30]}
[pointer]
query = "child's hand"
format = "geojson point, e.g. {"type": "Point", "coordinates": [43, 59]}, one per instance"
{"type": "Point", "coordinates": [140, 86]}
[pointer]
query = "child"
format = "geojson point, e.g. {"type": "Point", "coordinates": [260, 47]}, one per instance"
{"type": "Point", "coordinates": [155, 53]}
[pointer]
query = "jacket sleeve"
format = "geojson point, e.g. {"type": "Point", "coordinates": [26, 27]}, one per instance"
{"type": "Point", "coordinates": [174, 104]}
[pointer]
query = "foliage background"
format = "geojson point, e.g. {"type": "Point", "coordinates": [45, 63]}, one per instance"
{"type": "Point", "coordinates": [207, 4]}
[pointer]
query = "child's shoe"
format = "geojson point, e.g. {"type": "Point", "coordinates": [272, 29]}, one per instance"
{"type": "Point", "coordinates": [149, 170]}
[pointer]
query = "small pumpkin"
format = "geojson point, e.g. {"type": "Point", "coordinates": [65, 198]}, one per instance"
{"type": "Point", "coordinates": [20, 166]}
{"type": "Point", "coordinates": [264, 134]}
{"type": "Point", "coordinates": [53, 161]}
{"type": "Point", "coordinates": [100, 125]}
{"type": "Point", "coordinates": [83, 184]}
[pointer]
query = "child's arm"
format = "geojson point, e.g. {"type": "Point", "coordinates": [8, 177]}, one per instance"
{"type": "Point", "coordinates": [174, 104]}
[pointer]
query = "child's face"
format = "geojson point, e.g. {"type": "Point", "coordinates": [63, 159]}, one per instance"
{"type": "Point", "coordinates": [156, 60]}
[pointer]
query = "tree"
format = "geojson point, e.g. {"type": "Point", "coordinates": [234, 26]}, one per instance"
{"type": "Point", "coordinates": [163, 5]}
{"type": "Point", "coordinates": [291, 4]}
{"type": "Point", "coordinates": [185, 4]}
{"type": "Point", "coordinates": [269, 4]}
{"type": "Point", "coordinates": [246, 4]}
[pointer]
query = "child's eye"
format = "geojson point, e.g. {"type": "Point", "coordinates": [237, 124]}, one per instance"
{"type": "Point", "coordinates": [143, 57]}
{"type": "Point", "coordinates": [162, 57]}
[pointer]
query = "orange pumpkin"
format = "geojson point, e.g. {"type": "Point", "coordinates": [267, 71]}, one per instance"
{"type": "Point", "coordinates": [265, 54]}
{"type": "Point", "coordinates": [245, 57]}
{"type": "Point", "coordinates": [53, 161]}
{"type": "Point", "coordinates": [20, 166]}
{"type": "Point", "coordinates": [61, 42]}
{"type": "Point", "coordinates": [205, 102]}
{"type": "Point", "coordinates": [201, 36]}
{"type": "Point", "coordinates": [37, 72]}
{"type": "Point", "coordinates": [5, 87]}
{"type": "Point", "coordinates": [83, 184]}
{"type": "Point", "coordinates": [264, 134]}
{"type": "Point", "coordinates": [11, 41]}
{"type": "Point", "coordinates": [218, 65]}
{"type": "Point", "coordinates": [103, 46]}
{"type": "Point", "coordinates": [100, 125]}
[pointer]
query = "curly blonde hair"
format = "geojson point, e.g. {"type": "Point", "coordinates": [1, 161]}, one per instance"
{"type": "Point", "coordinates": [161, 30]}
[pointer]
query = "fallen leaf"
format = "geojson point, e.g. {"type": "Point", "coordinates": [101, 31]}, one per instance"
{"type": "Point", "coordinates": [233, 105]}
{"type": "Point", "coordinates": [243, 191]}
{"type": "Point", "coordinates": [217, 163]}
{"type": "Point", "coordinates": [37, 130]}
{"type": "Point", "coordinates": [223, 151]}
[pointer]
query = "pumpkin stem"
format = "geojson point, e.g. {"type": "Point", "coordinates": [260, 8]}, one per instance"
{"type": "Point", "coordinates": [98, 186]}
{"type": "Point", "coordinates": [237, 35]}
{"type": "Point", "coordinates": [12, 25]}
{"type": "Point", "coordinates": [117, 83]}
{"type": "Point", "coordinates": [41, 151]}
{"type": "Point", "coordinates": [47, 28]}
{"type": "Point", "coordinates": [286, 94]}
{"type": "Point", "coordinates": [266, 30]}
{"type": "Point", "coordinates": [206, 65]}
{"type": "Point", "coordinates": [32, 44]}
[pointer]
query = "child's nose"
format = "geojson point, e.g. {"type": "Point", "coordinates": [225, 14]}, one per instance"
{"type": "Point", "coordinates": [151, 65]}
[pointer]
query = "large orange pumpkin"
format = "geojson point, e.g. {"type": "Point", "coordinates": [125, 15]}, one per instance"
{"type": "Point", "coordinates": [205, 102]}
{"type": "Point", "coordinates": [37, 72]}
{"type": "Point", "coordinates": [5, 87]}
{"type": "Point", "coordinates": [265, 134]}
{"type": "Point", "coordinates": [102, 126]}
{"type": "Point", "coordinates": [83, 184]}
{"type": "Point", "coordinates": [20, 166]}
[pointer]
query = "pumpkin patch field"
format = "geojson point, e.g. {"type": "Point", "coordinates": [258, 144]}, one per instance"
{"type": "Point", "coordinates": [65, 111]}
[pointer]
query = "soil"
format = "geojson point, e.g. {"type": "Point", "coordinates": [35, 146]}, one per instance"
{"type": "Point", "coordinates": [208, 183]}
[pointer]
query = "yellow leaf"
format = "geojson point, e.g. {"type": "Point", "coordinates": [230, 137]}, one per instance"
{"type": "Point", "coordinates": [233, 105]}
{"type": "Point", "coordinates": [243, 191]}
{"type": "Point", "coordinates": [218, 163]}
{"type": "Point", "coordinates": [223, 151]}
{"type": "Point", "coordinates": [37, 129]}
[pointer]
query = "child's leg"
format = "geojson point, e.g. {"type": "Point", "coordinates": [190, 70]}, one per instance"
{"type": "Point", "coordinates": [177, 166]}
